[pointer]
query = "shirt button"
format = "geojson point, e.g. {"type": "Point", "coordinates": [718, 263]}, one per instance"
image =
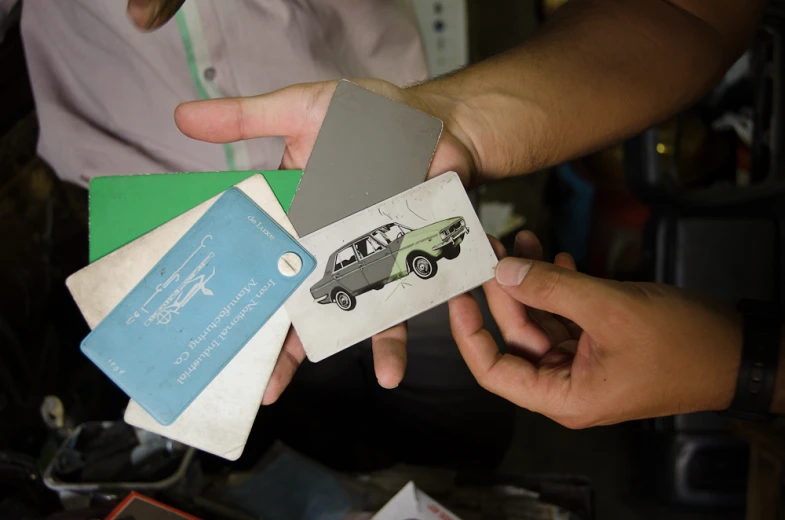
{"type": "Point", "coordinates": [210, 73]}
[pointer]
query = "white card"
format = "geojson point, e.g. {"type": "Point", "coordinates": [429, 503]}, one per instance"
{"type": "Point", "coordinates": [412, 504]}
{"type": "Point", "coordinates": [219, 420]}
{"type": "Point", "coordinates": [388, 263]}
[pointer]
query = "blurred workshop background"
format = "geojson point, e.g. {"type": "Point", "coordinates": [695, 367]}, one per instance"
{"type": "Point", "coordinates": [696, 202]}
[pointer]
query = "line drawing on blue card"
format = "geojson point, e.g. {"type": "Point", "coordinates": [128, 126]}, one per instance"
{"type": "Point", "coordinates": [164, 315]}
{"type": "Point", "coordinates": [175, 276]}
{"type": "Point", "coordinates": [173, 304]}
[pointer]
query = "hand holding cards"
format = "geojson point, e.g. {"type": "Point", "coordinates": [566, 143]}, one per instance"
{"type": "Point", "coordinates": [176, 311]}
{"type": "Point", "coordinates": [388, 246]}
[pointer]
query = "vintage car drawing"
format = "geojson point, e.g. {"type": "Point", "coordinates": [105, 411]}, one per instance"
{"type": "Point", "coordinates": [384, 255]}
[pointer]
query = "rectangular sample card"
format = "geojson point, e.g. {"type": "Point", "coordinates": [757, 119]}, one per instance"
{"type": "Point", "coordinates": [369, 148]}
{"type": "Point", "coordinates": [125, 207]}
{"type": "Point", "coordinates": [220, 419]}
{"type": "Point", "coordinates": [198, 306]}
{"type": "Point", "coordinates": [388, 263]}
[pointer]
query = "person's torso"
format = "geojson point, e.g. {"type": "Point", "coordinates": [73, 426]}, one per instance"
{"type": "Point", "coordinates": [106, 93]}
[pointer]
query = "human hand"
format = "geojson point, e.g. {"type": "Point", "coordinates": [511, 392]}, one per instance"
{"type": "Point", "coordinates": [296, 113]}
{"type": "Point", "coordinates": [585, 351]}
{"type": "Point", "coordinates": [148, 15]}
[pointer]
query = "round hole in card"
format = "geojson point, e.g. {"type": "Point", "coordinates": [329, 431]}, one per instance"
{"type": "Point", "coordinates": [290, 264]}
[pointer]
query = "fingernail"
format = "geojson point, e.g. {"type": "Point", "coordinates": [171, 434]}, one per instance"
{"type": "Point", "coordinates": [511, 271]}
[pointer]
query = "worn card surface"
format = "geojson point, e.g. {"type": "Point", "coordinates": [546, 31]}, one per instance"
{"type": "Point", "coordinates": [388, 263]}
{"type": "Point", "coordinates": [369, 148]}
{"type": "Point", "coordinates": [220, 418]}
{"type": "Point", "coordinates": [198, 306]}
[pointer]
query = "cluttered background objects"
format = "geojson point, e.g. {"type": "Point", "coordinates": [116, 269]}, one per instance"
{"type": "Point", "coordinates": [627, 213]}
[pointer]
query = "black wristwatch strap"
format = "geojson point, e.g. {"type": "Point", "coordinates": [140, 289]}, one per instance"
{"type": "Point", "coordinates": [759, 361]}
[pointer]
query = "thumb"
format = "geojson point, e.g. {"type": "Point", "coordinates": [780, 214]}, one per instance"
{"type": "Point", "coordinates": [283, 113]}
{"type": "Point", "coordinates": [551, 288]}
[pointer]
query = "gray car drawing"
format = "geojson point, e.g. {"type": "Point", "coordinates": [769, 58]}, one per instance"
{"type": "Point", "coordinates": [384, 255]}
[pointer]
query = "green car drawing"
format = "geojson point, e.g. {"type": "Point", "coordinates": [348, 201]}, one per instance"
{"type": "Point", "coordinates": [384, 255]}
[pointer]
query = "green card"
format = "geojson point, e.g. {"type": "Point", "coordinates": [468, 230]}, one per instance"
{"type": "Point", "coordinates": [123, 208]}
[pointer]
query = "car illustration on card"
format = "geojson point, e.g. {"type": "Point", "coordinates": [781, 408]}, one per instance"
{"type": "Point", "coordinates": [386, 254]}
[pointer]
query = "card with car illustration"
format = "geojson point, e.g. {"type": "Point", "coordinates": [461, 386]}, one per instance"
{"type": "Point", "coordinates": [388, 263]}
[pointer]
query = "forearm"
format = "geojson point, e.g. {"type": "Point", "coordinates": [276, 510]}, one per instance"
{"type": "Point", "coordinates": [598, 72]}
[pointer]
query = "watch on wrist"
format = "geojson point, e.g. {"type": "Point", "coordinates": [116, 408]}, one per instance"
{"type": "Point", "coordinates": [759, 361]}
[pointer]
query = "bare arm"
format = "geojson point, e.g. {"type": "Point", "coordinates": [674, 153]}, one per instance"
{"type": "Point", "coordinates": [599, 71]}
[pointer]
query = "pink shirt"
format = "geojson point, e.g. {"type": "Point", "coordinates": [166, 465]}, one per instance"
{"type": "Point", "coordinates": [105, 93]}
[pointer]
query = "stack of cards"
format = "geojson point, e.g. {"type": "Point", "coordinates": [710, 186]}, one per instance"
{"type": "Point", "coordinates": [190, 317]}
{"type": "Point", "coordinates": [178, 314]}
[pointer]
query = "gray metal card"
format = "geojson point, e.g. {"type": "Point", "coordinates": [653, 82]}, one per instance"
{"type": "Point", "coordinates": [369, 149]}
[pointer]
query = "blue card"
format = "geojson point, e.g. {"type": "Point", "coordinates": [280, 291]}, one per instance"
{"type": "Point", "coordinates": [175, 331]}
